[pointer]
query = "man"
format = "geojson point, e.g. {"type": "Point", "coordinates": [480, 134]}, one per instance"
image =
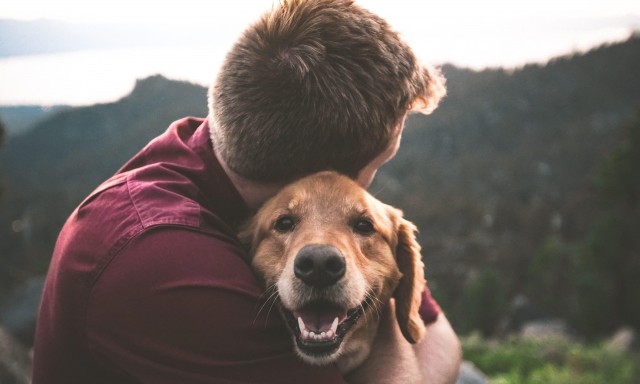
{"type": "Point", "coordinates": [148, 282]}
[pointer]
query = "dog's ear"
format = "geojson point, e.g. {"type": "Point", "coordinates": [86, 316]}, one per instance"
{"type": "Point", "coordinates": [247, 234]}
{"type": "Point", "coordinates": [408, 293]}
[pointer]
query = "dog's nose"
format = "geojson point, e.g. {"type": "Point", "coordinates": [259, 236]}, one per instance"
{"type": "Point", "coordinates": [319, 265]}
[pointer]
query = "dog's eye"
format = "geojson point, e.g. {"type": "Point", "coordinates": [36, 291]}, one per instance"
{"type": "Point", "coordinates": [285, 224]}
{"type": "Point", "coordinates": [364, 226]}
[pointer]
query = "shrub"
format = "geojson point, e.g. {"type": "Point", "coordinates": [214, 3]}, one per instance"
{"type": "Point", "coordinates": [484, 303]}
{"type": "Point", "coordinates": [550, 361]}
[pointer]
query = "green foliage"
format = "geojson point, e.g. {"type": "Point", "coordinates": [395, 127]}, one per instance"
{"type": "Point", "coordinates": [593, 281]}
{"type": "Point", "coordinates": [619, 178]}
{"type": "Point", "coordinates": [549, 278]}
{"type": "Point", "coordinates": [550, 361]}
{"type": "Point", "coordinates": [609, 258]}
{"type": "Point", "coordinates": [596, 283]}
{"type": "Point", "coordinates": [484, 303]}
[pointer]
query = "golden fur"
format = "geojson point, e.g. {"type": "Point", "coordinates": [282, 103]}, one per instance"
{"type": "Point", "coordinates": [382, 261]}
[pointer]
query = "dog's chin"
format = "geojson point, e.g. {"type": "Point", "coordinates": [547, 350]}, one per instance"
{"type": "Point", "coordinates": [320, 327]}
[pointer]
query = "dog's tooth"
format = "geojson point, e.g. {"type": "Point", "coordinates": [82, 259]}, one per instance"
{"type": "Point", "coordinates": [323, 335]}
{"type": "Point", "coordinates": [301, 324]}
{"type": "Point", "coordinates": [305, 334]}
{"type": "Point", "coordinates": [334, 325]}
{"type": "Point", "coordinates": [330, 334]}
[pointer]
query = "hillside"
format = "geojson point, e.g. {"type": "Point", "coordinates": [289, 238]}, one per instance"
{"type": "Point", "coordinates": [18, 118]}
{"type": "Point", "coordinates": [50, 168]}
{"type": "Point", "coordinates": [509, 161]}
{"type": "Point", "coordinates": [506, 163]}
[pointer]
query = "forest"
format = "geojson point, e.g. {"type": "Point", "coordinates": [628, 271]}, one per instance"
{"type": "Point", "coordinates": [524, 183]}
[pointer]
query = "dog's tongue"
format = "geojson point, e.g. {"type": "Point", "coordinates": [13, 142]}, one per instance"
{"type": "Point", "coordinates": [320, 317]}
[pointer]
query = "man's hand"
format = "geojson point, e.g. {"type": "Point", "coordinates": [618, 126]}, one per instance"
{"type": "Point", "coordinates": [434, 360]}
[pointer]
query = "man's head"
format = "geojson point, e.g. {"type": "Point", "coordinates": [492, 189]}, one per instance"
{"type": "Point", "coordinates": [315, 85]}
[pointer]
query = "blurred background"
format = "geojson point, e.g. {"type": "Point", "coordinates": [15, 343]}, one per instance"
{"type": "Point", "coordinates": [524, 183]}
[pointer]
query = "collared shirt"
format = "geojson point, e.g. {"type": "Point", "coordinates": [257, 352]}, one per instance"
{"type": "Point", "coordinates": [149, 283]}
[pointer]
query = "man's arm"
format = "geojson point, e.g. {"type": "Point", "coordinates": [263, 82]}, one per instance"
{"type": "Point", "coordinates": [440, 352]}
{"type": "Point", "coordinates": [434, 360]}
{"type": "Point", "coordinates": [180, 306]}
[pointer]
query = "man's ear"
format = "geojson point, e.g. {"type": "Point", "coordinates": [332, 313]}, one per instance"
{"type": "Point", "coordinates": [408, 293]}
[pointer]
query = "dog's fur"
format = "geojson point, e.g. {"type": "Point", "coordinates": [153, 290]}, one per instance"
{"type": "Point", "coordinates": [381, 258]}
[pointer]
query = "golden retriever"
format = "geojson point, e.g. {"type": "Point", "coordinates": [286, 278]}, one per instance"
{"type": "Point", "coordinates": [333, 256]}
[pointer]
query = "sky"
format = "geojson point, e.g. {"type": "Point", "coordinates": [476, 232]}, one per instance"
{"type": "Point", "coordinates": [470, 33]}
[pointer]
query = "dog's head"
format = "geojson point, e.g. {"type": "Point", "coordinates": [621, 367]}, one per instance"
{"type": "Point", "coordinates": [335, 255]}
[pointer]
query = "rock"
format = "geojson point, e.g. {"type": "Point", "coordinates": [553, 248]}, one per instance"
{"type": "Point", "coordinates": [15, 362]}
{"type": "Point", "coordinates": [19, 311]}
{"type": "Point", "coordinates": [470, 374]}
{"type": "Point", "coordinates": [623, 340]}
{"type": "Point", "coordinates": [521, 311]}
{"type": "Point", "coordinates": [545, 329]}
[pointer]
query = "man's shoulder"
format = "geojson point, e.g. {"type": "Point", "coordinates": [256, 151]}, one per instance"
{"type": "Point", "coordinates": [127, 205]}
{"type": "Point", "coordinates": [172, 183]}
{"type": "Point", "coordinates": [179, 254]}
{"type": "Point", "coordinates": [121, 224]}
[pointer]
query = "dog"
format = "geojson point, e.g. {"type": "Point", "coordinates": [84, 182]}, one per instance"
{"type": "Point", "coordinates": [333, 256]}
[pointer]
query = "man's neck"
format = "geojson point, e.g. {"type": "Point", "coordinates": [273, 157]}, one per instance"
{"type": "Point", "coordinates": [253, 193]}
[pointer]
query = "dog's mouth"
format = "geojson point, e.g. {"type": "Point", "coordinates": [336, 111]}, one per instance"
{"type": "Point", "coordinates": [319, 327]}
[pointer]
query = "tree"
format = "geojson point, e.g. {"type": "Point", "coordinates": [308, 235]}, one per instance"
{"type": "Point", "coordinates": [609, 259]}
{"type": "Point", "coordinates": [483, 303]}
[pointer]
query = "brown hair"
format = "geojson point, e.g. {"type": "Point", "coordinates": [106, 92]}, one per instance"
{"type": "Point", "coordinates": [315, 85]}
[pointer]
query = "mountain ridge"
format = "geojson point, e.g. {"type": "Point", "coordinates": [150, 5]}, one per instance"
{"type": "Point", "coordinates": [506, 162]}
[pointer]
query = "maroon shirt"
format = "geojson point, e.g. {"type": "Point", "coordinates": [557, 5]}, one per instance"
{"type": "Point", "coordinates": [148, 282]}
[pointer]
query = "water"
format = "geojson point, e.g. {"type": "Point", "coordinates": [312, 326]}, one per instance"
{"type": "Point", "coordinates": [89, 77]}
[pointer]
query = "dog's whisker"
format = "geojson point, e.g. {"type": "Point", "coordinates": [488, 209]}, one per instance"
{"type": "Point", "coordinates": [273, 297]}
{"type": "Point", "coordinates": [381, 186]}
{"type": "Point", "coordinates": [366, 317]}
{"type": "Point", "coordinates": [376, 307]}
{"type": "Point", "coordinates": [375, 304]}
{"type": "Point", "coordinates": [268, 292]}
{"type": "Point", "coordinates": [271, 290]}
{"type": "Point", "coordinates": [369, 298]}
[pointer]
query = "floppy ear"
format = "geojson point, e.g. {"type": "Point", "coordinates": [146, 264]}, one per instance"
{"type": "Point", "coordinates": [248, 234]}
{"type": "Point", "coordinates": [408, 293]}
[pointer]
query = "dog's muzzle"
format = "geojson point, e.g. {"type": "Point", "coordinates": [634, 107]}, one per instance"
{"type": "Point", "coordinates": [320, 325]}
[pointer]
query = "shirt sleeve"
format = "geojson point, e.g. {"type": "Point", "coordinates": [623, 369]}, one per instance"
{"type": "Point", "coordinates": [429, 308]}
{"type": "Point", "coordinates": [180, 306]}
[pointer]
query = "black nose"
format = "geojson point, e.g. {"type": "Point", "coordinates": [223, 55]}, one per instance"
{"type": "Point", "coordinates": [319, 265]}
